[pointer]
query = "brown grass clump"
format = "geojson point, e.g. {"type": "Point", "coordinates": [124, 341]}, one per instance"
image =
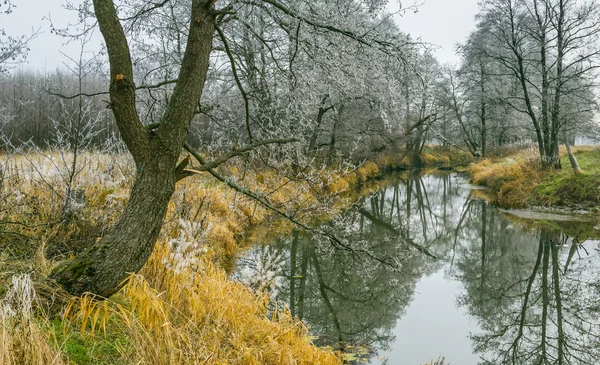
{"type": "Point", "coordinates": [445, 160]}
{"type": "Point", "coordinates": [366, 171]}
{"type": "Point", "coordinates": [338, 186]}
{"type": "Point", "coordinates": [432, 156]}
{"type": "Point", "coordinates": [518, 180]}
{"type": "Point", "coordinates": [429, 159]}
{"type": "Point", "coordinates": [197, 317]}
{"type": "Point", "coordinates": [515, 194]}
{"type": "Point", "coordinates": [513, 178]}
{"type": "Point", "coordinates": [479, 167]}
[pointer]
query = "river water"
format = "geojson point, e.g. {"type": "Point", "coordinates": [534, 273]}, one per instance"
{"type": "Point", "coordinates": [424, 269]}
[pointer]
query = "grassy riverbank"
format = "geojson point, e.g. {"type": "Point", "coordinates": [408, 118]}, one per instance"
{"type": "Point", "coordinates": [181, 308]}
{"type": "Point", "coordinates": [518, 181]}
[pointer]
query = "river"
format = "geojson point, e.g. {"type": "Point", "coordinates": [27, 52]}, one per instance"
{"type": "Point", "coordinates": [425, 269]}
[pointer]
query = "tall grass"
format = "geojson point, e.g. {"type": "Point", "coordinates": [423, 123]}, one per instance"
{"type": "Point", "coordinates": [518, 179]}
{"type": "Point", "coordinates": [23, 338]}
{"type": "Point", "coordinates": [182, 308]}
{"type": "Point", "coordinates": [512, 178]}
{"type": "Point", "coordinates": [191, 317]}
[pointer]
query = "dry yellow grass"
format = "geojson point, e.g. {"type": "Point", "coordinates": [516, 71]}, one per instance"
{"type": "Point", "coordinates": [189, 317]}
{"type": "Point", "coordinates": [429, 159]}
{"type": "Point", "coordinates": [367, 170]}
{"type": "Point", "coordinates": [515, 178]}
{"type": "Point", "coordinates": [182, 308]}
{"type": "Point", "coordinates": [24, 339]}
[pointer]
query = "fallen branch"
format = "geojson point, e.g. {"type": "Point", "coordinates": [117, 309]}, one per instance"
{"type": "Point", "coordinates": [337, 243]}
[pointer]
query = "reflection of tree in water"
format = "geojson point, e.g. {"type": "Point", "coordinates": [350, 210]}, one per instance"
{"type": "Point", "coordinates": [350, 299]}
{"type": "Point", "coordinates": [535, 295]}
{"type": "Point", "coordinates": [536, 303]}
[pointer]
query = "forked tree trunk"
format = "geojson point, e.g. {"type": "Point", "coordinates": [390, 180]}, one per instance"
{"type": "Point", "coordinates": [103, 268]}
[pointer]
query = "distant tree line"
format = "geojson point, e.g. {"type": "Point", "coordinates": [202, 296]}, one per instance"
{"type": "Point", "coordinates": [531, 66]}
{"type": "Point", "coordinates": [30, 113]}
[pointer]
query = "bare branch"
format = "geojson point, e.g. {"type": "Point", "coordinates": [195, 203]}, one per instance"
{"type": "Point", "coordinates": [237, 80]}
{"type": "Point", "coordinates": [264, 202]}
{"type": "Point", "coordinates": [236, 152]}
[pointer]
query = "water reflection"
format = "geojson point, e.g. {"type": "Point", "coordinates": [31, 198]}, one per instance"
{"type": "Point", "coordinates": [526, 296]}
{"type": "Point", "coordinates": [536, 304]}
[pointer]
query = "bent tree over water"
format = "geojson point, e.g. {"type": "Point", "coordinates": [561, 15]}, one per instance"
{"type": "Point", "coordinates": [471, 284]}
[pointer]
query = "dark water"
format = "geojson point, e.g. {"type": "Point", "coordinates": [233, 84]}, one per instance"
{"type": "Point", "coordinates": [425, 269]}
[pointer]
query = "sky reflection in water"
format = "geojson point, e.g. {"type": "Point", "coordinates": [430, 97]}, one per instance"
{"type": "Point", "coordinates": [495, 293]}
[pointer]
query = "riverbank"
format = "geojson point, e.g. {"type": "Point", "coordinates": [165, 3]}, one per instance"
{"type": "Point", "coordinates": [168, 313]}
{"type": "Point", "coordinates": [517, 181]}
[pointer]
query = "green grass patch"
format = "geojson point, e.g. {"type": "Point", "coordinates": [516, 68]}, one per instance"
{"type": "Point", "coordinates": [85, 349]}
{"type": "Point", "coordinates": [519, 181]}
{"type": "Point", "coordinates": [563, 188]}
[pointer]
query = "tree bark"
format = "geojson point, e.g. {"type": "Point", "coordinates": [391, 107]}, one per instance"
{"type": "Point", "coordinates": [483, 116]}
{"type": "Point", "coordinates": [103, 268]}
{"type": "Point", "coordinates": [572, 158]}
{"type": "Point", "coordinates": [558, 88]}
{"type": "Point", "coordinates": [126, 248]}
{"type": "Point", "coordinates": [331, 154]}
{"type": "Point", "coordinates": [515, 45]}
{"type": "Point", "coordinates": [312, 146]}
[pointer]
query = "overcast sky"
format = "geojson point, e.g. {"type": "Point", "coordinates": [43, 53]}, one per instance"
{"type": "Point", "coordinates": [440, 22]}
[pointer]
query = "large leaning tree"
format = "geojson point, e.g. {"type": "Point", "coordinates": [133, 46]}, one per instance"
{"type": "Point", "coordinates": [157, 148]}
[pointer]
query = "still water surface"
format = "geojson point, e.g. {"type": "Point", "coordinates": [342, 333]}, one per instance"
{"type": "Point", "coordinates": [426, 269]}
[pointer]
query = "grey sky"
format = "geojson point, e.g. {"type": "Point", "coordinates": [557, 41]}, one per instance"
{"type": "Point", "coordinates": [47, 47]}
{"type": "Point", "coordinates": [440, 22]}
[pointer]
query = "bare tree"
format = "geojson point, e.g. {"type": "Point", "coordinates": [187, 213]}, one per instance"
{"type": "Point", "coordinates": [156, 149]}
{"type": "Point", "coordinates": [543, 44]}
{"type": "Point", "coordinates": [77, 127]}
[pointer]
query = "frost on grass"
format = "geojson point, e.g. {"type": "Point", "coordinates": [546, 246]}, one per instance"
{"type": "Point", "coordinates": [23, 336]}
{"type": "Point", "coordinates": [18, 302]}
{"type": "Point", "coordinates": [261, 270]}
{"type": "Point", "coordinates": [187, 248]}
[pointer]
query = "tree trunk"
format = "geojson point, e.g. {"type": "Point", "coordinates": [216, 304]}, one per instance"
{"type": "Point", "coordinates": [332, 153]}
{"type": "Point", "coordinates": [483, 116]}
{"type": "Point", "coordinates": [312, 146]}
{"type": "Point", "coordinates": [103, 268]}
{"type": "Point", "coordinates": [572, 158]}
{"type": "Point", "coordinates": [415, 152]}
{"type": "Point", "coordinates": [126, 248]}
{"type": "Point", "coordinates": [515, 44]}
{"type": "Point", "coordinates": [556, 112]}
